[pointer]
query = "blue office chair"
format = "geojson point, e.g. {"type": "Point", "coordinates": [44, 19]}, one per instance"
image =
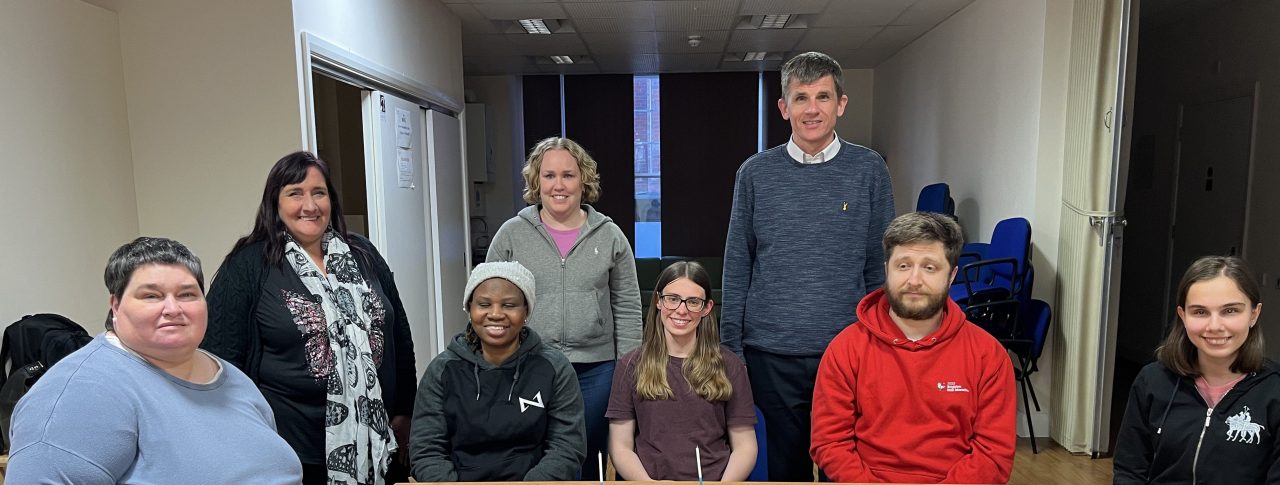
{"type": "Point", "coordinates": [1002, 271]}
{"type": "Point", "coordinates": [1026, 345]}
{"type": "Point", "coordinates": [936, 198]}
{"type": "Point", "coordinates": [761, 472]}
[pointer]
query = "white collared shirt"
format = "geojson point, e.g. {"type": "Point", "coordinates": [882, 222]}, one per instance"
{"type": "Point", "coordinates": [828, 153]}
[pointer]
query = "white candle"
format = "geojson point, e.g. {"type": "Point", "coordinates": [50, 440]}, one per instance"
{"type": "Point", "coordinates": [600, 465]}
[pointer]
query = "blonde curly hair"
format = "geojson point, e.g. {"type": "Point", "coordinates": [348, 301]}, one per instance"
{"type": "Point", "coordinates": [586, 168]}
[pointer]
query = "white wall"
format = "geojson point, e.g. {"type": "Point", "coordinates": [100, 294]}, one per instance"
{"type": "Point", "coordinates": [978, 102]}
{"type": "Point", "coordinates": [67, 184]}
{"type": "Point", "coordinates": [855, 126]}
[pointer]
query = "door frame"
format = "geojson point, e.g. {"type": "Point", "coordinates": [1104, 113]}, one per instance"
{"type": "Point", "coordinates": [322, 57]}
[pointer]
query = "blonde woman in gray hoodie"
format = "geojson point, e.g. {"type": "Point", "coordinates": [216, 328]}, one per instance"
{"type": "Point", "coordinates": [589, 299]}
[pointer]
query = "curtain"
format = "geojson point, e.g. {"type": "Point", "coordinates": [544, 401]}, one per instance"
{"type": "Point", "coordinates": [709, 127]}
{"type": "Point", "coordinates": [541, 109]}
{"type": "Point", "coordinates": [597, 114]}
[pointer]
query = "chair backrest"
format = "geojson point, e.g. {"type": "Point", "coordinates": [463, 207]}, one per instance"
{"type": "Point", "coordinates": [1010, 239]}
{"type": "Point", "coordinates": [935, 198]}
{"type": "Point", "coordinates": [761, 472]}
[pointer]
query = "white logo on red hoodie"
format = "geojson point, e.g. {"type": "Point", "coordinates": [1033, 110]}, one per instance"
{"type": "Point", "coordinates": [951, 386]}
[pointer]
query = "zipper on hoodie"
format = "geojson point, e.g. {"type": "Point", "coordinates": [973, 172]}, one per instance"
{"type": "Point", "coordinates": [564, 306]}
{"type": "Point", "coordinates": [1195, 460]}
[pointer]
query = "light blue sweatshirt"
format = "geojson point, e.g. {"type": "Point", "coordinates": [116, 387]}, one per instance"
{"type": "Point", "coordinates": [104, 415]}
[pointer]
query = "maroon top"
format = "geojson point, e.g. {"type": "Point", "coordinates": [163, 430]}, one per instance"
{"type": "Point", "coordinates": [668, 430]}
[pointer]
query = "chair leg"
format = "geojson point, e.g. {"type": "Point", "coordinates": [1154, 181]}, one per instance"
{"type": "Point", "coordinates": [1025, 378]}
{"type": "Point", "coordinates": [1033, 394]}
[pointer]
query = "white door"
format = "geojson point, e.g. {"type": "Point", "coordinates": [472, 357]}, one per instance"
{"type": "Point", "coordinates": [449, 226]}
{"type": "Point", "coordinates": [399, 203]}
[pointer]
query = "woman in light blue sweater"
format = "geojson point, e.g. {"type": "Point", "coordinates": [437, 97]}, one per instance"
{"type": "Point", "coordinates": [140, 403]}
{"type": "Point", "coordinates": [588, 297]}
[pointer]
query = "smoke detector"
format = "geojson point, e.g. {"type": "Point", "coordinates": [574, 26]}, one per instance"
{"type": "Point", "coordinates": [695, 40]}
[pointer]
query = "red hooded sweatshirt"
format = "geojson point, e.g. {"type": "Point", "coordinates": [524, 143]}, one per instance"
{"type": "Point", "coordinates": [938, 410]}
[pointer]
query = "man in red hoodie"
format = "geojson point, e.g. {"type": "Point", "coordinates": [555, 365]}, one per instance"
{"type": "Point", "coordinates": [914, 392]}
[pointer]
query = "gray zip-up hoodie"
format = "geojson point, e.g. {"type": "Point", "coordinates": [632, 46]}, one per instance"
{"type": "Point", "coordinates": [589, 302]}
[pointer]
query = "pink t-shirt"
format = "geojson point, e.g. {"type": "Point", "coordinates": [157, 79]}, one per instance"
{"type": "Point", "coordinates": [564, 239]}
{"type": "Point", "coordinates": [1213, 394]}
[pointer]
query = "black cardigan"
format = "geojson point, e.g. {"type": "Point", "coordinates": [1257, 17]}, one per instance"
{"type": "Point", "coordinates": [236, 321]}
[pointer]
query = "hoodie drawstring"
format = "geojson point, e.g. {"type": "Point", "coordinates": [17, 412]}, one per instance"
{"type": "Point", "coordinates": [475, 371]}
{"type": "Point", "coordinates": [515, 378]}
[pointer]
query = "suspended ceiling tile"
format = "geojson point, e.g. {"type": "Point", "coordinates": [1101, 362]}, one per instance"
{"type": "Point", "coordinates": [836, 39]}
{"type": "Point", "coordinates": [609, 10]}
{"type": "Point", "coordinates": [640, 24]}
{"type": "Point", "coordinates": [930, 12]}
{"type": "Point", "coordinates": [694, 23]}
{"type": "Point", "coordinates": [622, 42]}
{"type": "Point", "coordinates": [694, 8]}
{"type": "Point", "coordinates": [861, 13]}
{"type": "Point", "coordinates": [678, 42]}
{"type": "Point", "coordinates": [689, 62]}
{"type": "Point", "coordinates": [517, 11]}
{"type": "Point", "coordinates": [765, 7]}
{"type": "Point", "coordinates": [768, 40]}
{"type": "Point", "coordinates": [547, 45]}
{"type": "Point", "coordinates": [896, 37]}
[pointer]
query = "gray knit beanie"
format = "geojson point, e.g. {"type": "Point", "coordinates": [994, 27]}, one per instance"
{"type": "Point", "coordinates": [510, 271]}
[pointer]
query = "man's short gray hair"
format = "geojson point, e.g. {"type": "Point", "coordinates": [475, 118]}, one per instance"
{"type": "Point", "coordinates": [809, 67]}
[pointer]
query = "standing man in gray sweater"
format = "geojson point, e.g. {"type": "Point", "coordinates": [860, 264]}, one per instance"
{"type": "Point", "coordinates": [803, 248]}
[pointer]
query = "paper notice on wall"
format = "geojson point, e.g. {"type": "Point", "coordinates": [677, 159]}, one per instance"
{"type": "Point", "coordinates": [404, 130]}
{"type": "Point", "coordinates": [404, 168]}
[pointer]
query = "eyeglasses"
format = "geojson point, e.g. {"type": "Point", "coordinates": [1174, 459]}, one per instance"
{"type": "Point", "coordinates": [672, 302]}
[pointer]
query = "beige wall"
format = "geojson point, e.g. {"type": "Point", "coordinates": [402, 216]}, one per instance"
{"type": "Point", "coordinates": [212, 96]}
{"type": "Point", "coordinates": [162, 117]}
{"type": "Point", "coordinates": [855, 126]}
{"type": "Point", "coordinates": [420, 39]}
{"type": "Point", "coordinates": [66, 177]}
{"type": "Point", "coordinates": [979, 103]}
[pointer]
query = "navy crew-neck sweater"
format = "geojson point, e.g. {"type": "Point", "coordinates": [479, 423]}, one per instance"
{"type": "Point", "coordinates": [804, 246]}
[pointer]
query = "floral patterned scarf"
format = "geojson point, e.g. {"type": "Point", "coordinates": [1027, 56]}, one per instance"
{"type": "Point", "coordinates": [341, 322]}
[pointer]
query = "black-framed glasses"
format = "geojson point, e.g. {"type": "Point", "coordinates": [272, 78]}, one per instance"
{"type": "Point", "coordinates": [672, 302]}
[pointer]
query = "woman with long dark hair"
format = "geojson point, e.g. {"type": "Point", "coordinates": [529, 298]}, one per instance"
{"type": "Point", "coordinates": [311, 313]}
{"type": "Point", "coordinates": [1207, 410]}
{"type": "Point", "coordinates": [682, 378]}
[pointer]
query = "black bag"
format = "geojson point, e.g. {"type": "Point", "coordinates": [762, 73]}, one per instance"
{"type": "Point", "coordinates": [44, 337]}
{"type": "Point", "coordinates": [11, 392]}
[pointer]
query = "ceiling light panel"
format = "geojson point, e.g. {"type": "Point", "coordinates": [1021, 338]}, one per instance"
{"type": "Point", "coordinates": [775, 20]}
{"type": "Point", "coordinates": [534, 26]}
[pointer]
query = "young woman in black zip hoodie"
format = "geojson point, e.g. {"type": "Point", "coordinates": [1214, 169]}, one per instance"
{"type": "Point", "coordinates": [1208, 409]}
{"type": "Point", "coordinates": [498, 405]}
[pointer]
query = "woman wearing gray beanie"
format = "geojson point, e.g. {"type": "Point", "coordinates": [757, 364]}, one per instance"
{"type": "Point", "coordinates": [498, 405]}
